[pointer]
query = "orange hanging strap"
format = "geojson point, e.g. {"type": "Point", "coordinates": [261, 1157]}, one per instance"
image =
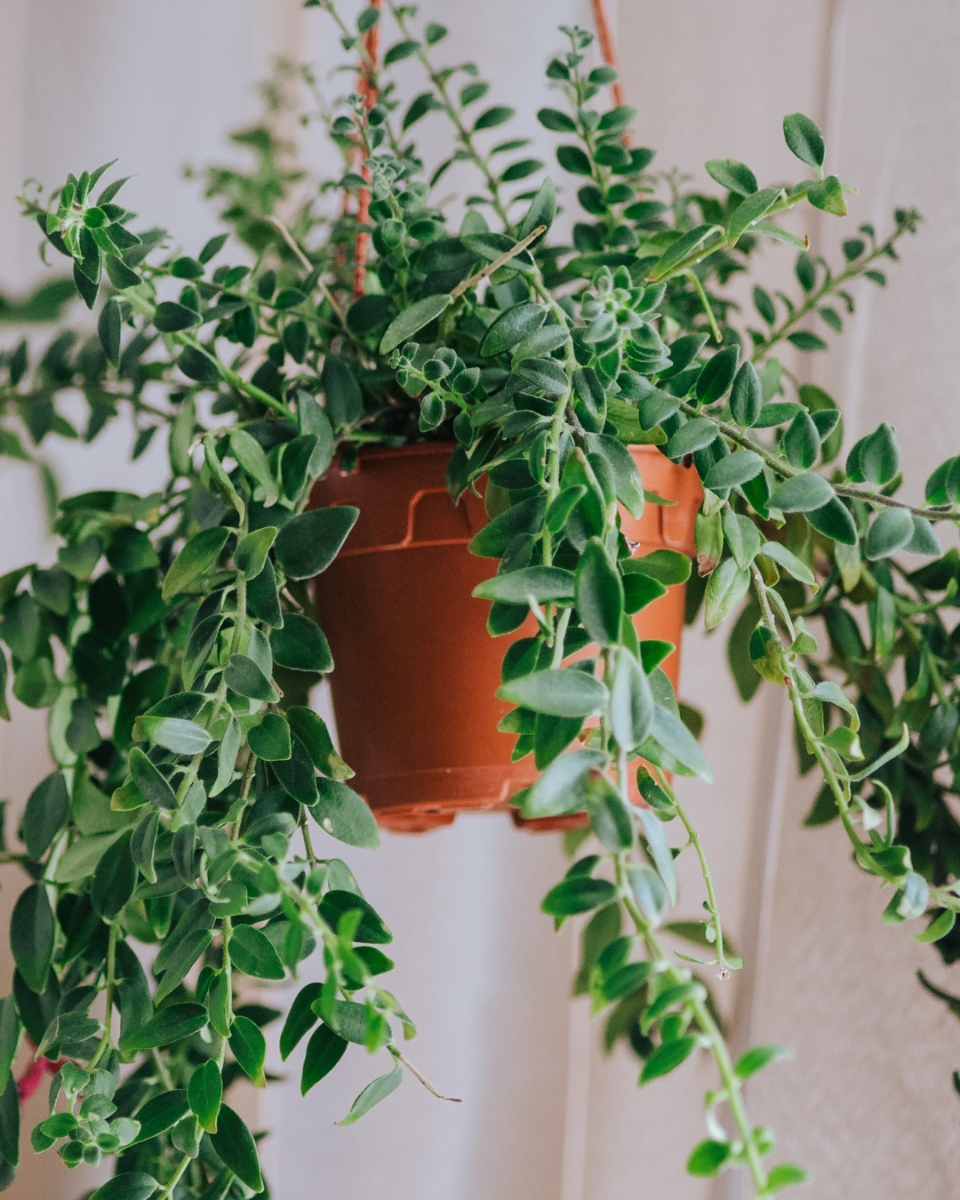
{"type": "Point", "coordinates": [609, 52]}
{"type": "Point", "coordinates": [368, 90]}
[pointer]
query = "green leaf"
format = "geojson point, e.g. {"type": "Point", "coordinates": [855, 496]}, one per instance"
{"type": "Point", "coordinates": [660, 850]}
{"type": "Point", "coordinates": [311, 729]}
{"type": "Point", "coordinates": [400, 50]}
{"type": "Point", "coordinates": [668, 567]}
{"type": "Point", "coordinates": [938, 928]}
{"type": "Point", "coordinates": [171, 317]}
{"type": "Point", "coordinates": [688, 244]}
{"type": "Point", "coordinates": [419, 107]}
{"type": "Point", "coordinates": [708, 1159]}
{"type": "Point", "coordinates": [543, 583]}
{"type": "Point", "coordinates": [542, 210]}
{"type": "Point", "coordinates": [108, 331]}
{"type": "Point", "coordinates": [890, 532]}
{"type": "Point", "coordinates": [667, 1058]}
{"type": "Point", "coordinates": [143, 843]}
{"type": "Point", "coordinates": [300, 1019]}
{"type": "Point", "coordinates": [833, 520]}
{"type": "Point", "coordinates": [250, 455]}
{"type": "Point", "coordinates": [179, 963]}
{"type": "Point", "coordinates": [114, 879]}
{"type": "Point", "coordinates": [120, 274]}
{"type": "Point", "coordinates": [171, 1024]}
{"type": "Point", "coordinates": [205, 1093]}
{"type": "Point", "coordinates": [833, 694]}
{"type": "Point", "coordinates": [626, 474]}
{"type": "Point", "coordinates": [726, 587]}
{"type": "Point", "coordinates": [493, 539]}
{"type": "Point", "coordinates": [345, 815]}
{"type": "Point", "coordinates": [371, 928]}
{"type": "Point", "coordinates": [499, 114]}
{"type": "Point", "coordinates": [556, 121]}
{"type": "Point", "coordinates": [631, 702]}
{"type": "Point", "coordinates": [249, 1048]}
{"type": "Point", "coordinates": [801, 441]}
{"type": "Point", "coordinates": [577, 894]}
{"type": "Point", "coordinates": [203, 639]}
{"type": "Point", "coordinates": [324, 1051]}
{"type": "Point", "coordinates": [561, 693]}
{"type": "Point", "coordinates": [692, 436]}
{"type": "Point", "coordinates": [173, 733]}
{"type": "Point", "coordinates": [804, 139]}
{"type": "Point", "coordinates": [254, 954]}
{"type": "Point", "coordinates": [752, 209]}
{"type": "Point", "coordinates": [199, 367]}
{"type": "Point", "coordinates": [785, 1174]}
{"type": "Point", "coordinates": [802, 493]}
{"type": "Point", "coordinates": [746, 397]}
{"type": "Point", "coordinates": [344, 399]}
{"type": "Point", "coordinates": [251, 553]}
{"type": "Point", "coordinates": [32, 936]}
{"type": "Point", "coordinates": [46, 813]}
{"type": "Point", "coordinates": [672, 735]}
{"type": "Point", "coordinates": [790, 563]}
{"type": "Point", "coordinates": [221, 480]}
{"type": "Point", "coordinates": [243, 676]}
{"type": "Point", "coordinates": [374, 1092]}
{"type": "Point", "coordinates": [734, 470]}
{"type": "Point", "coordinates": [804, 340]}
{"type": "Point", "coordinates": [511, 327]}
{"type": "Point", "coordinates": [35, 684]}
{"type": "Point", "coordinates": [755, 1059]}
{"type": "Point", "coordinates": [129, 1185]}
{"type": "Point", "coordinates": [197, 559]}
{"type": "Point", "coordinates": [562, 788]}
{"type": "Point", "coordinates": [150, 781]}
{"type": "Point", "coordinates": [599, 596]}
{"type": "Point", "coordinates": [10, 1123]}
{"type": "Point", "coordinates": [309, 543]}
{"type": "Point", "coordinates": [544, 375]}
{"type": "Point", "coordinates": [766, 653]}
{"type": "Point", "coordinates": [161, 1113]}
{"type": "Point", "coordinates": [296, 774]}
{"type": "Point", "coordinates": [9, 1036]}
{"type": "Point", "coordinates": [828, 196]}
{"type": "Point", "coordinates": [270, 740]}
{"type": "Point", "coordinates": [300, 645]}
{"type": "Point", "coordinates": [235, 1145]}
{"type": "Point", "coordinates": [732, 175]}
{"type": "Point", "coordinates": [227, 756]}
{"type": "Point", "coordinates": [412, 319]}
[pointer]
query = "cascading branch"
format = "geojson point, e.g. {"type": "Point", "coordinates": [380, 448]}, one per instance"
{"type": "Point", "coordinates": [189, 765]}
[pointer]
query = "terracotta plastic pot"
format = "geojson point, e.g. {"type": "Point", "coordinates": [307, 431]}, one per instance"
{"type": "Point", "coordinates": [416, 671]}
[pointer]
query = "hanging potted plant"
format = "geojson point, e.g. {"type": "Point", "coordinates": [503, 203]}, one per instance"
{"type": "Point", "coordinates": [395, 423]}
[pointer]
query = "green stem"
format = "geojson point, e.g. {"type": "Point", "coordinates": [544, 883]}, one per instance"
{"type": "Point", "coordinates": [786, 471]}
{"type": "Point", "coordinates": [464, 135]}
{"type": "Point", "coordinates": [694, 840]}
{"type": "Point", "coordinates": [829, 286]}
{"type": "Point", "coordinates": [107, 1039]}
{"type": "Point", "coordinates": [168, 1190]}
{"type": "Point", "coordinates": [707, 308]}
{"type": "Point", "coordinates": [711, 1033]}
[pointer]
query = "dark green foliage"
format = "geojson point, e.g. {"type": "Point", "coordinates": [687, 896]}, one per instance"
{"type": "Point", "coordinates": [172, 624]}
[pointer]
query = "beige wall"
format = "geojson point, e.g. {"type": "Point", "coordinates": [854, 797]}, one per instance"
{"type": "Point", "coordinates": [867, 1104]}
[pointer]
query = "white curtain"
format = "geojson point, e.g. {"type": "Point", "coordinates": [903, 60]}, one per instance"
{"type": "Point", "coordinates": [867, 1105]}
